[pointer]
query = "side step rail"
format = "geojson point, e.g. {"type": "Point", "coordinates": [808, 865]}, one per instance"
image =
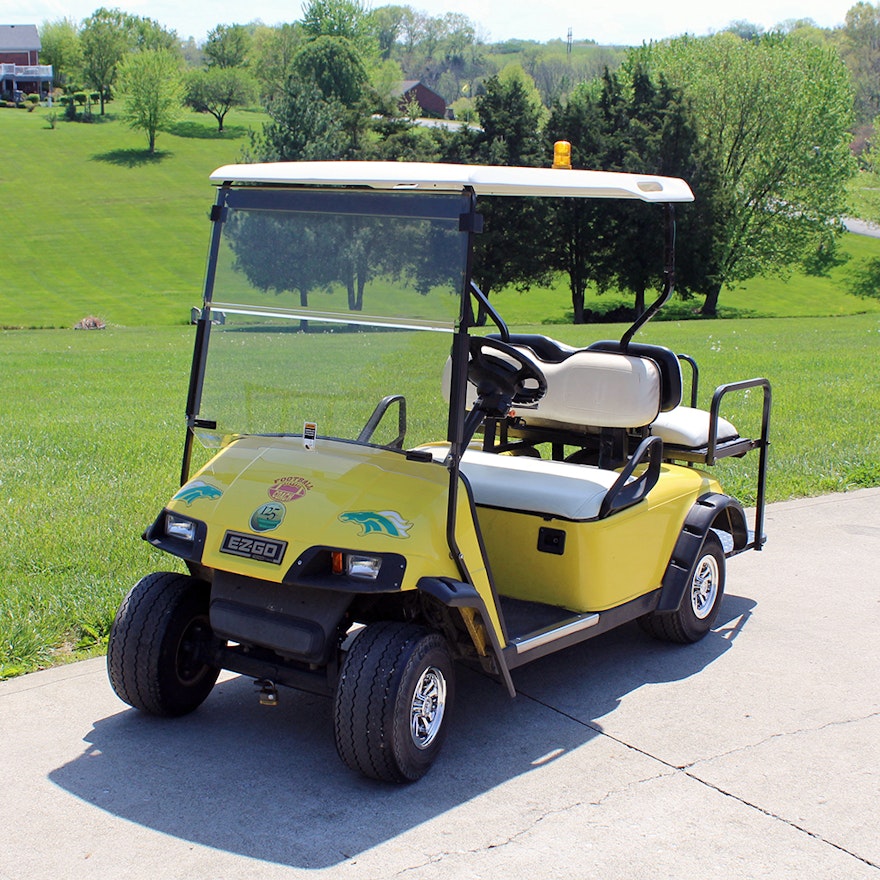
{"type": "Point", "coordinates": [572, 630]}
{"type": "Point", "coordinates": [548, 634]}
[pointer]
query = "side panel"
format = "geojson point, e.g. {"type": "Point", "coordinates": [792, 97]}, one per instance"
{"type": "Point", "coordinates": [602, 563]}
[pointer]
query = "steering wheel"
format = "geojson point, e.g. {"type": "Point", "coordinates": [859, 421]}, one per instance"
{"type": "Point", "coordinates": [500, 382]}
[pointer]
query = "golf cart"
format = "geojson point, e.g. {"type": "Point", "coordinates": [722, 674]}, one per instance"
{"type": "Point", "coordinates": [374, 487]}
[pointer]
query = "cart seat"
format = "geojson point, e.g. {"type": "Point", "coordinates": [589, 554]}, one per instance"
{"type": "Point", "coordinates": [688, 428]}
{"type": "Point", "coordinates": [606, 389]}
{"type": "Point", "coordinates": [588, 389]}
{"type": "Point", "coordinates": [684, 430]}
{"type": "Point", "coordinates": [533, 485]}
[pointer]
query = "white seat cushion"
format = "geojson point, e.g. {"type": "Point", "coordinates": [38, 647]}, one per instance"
{"type": "Point", "coordinates": [688, 427]}
{"type": "Point", "coordinates": [556, 488]}
{"type": "Point", "coordinates": [589, 388]}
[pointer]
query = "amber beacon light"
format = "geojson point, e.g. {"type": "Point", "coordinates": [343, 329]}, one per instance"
{"type": "Point", "coordinates": [562, 154]}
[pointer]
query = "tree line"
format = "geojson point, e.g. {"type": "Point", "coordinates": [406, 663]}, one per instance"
{"type": "Point", "coordinates": [760, 124]}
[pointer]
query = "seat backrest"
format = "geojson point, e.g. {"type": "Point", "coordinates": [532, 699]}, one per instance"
{"type": "Point", "coordinates": [597, 389]}
{"type": "Point", "coordinates": [666, 360]}
{"type": "Point", "coordinates": [589, 389]}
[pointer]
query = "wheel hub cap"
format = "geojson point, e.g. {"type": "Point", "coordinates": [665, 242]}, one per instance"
{"type": "Point", "coordinates": [428, 706]}
{"type": "Point", "coordinates": [704, 588]}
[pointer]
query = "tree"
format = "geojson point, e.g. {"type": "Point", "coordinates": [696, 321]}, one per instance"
{"type": "Point", "coordinates": [860, 48]}
{"type": "Point", "coordinates": [509, 251]}
{"type": "Point", "coordinates": [304, 126]}
{"type": "Point", "coordinates": [152, 84]}
{"type": "Point", "coordinates": [272, 55]}
{"type": "Point", "coordinates": [386, 23]}
{"type": "Point", "coordinates": [745, 30]}
{"type": "Point", "coordinates": [775, 114]}
{"type": "Point", "coordinates": [334, 65]}
{"type": "Point", "coordinates": [216, 90]}
{"type": "Point", "coordinates": [653, 131]}
{"type": "Point", "coordinates": [576, 247]}
{"type": "Point", "coordinates": [145, 33]}
{"type": "Point", "coordinates": [228, 45]}
{"type": "Point", "coordinates": [62, 49]}
{"type": "Point", "coordinates": [348, 19]}
{"type": "Point", "coordinates": [105, 39]}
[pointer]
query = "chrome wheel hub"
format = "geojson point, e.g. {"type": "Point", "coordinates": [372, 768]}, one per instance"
{"type": "Point", "coordinates": [428, 706]}
{"type": "Point", "coordinates": [704, 587]}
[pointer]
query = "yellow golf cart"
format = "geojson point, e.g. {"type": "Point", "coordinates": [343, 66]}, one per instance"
{"type": "Point", "coordinates": [374, 487]}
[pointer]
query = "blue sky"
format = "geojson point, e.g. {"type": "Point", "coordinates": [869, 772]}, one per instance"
{"type": "Point", "coordinates": [627, 23]}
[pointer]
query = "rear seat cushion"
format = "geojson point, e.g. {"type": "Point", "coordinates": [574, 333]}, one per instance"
{"type": "Point", "coordinates": [554, 488]}
{"type": "Point", "coordinates": [688, 427]}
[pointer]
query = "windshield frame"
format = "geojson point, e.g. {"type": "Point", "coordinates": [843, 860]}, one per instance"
{"type": "Point", "coordinates": [456, 207]}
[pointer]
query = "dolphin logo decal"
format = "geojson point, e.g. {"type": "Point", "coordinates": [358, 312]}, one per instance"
{"type": "Point", "coordinates": [385, 522]}
{"type": "Point", "coordinates": [198, 489]}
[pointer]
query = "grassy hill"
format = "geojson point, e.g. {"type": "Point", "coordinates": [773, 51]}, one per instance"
{"type": "Point", "coordinates": [98, 226]}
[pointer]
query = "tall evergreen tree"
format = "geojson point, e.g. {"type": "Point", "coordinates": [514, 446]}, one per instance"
{"type": "Point", "coordinates": [509, 251]}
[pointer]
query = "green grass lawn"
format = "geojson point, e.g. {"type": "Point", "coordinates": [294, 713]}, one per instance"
{"type": "Point", "coordinates": [106, 229]}
{"type": "Point", "coordinates": [102, 227]}
{"type": "Point", "coordinates": [93, 421]}
{"type": "Point", "coordinates": [93, 431]}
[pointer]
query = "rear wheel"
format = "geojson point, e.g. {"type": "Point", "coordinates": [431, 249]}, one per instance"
{"type": "Point", "coordinates": [159, 645]}
{"type": "Point", "coordinates": [395, 690]}
{"type": "Point", "coordinates": [700, 603]}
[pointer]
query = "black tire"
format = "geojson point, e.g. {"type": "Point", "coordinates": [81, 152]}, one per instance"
{"type": "Point", "coordinates": [393, 700]}
{"type": "Point", "coordinates": [161, 634]}
{"type": "Point", "coordinates": [700, 603]}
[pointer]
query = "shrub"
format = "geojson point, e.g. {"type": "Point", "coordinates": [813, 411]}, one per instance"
{"type": "Point", "coordinates": [80, 98]}
{"type": "Point", "coordinates": [33, 99]}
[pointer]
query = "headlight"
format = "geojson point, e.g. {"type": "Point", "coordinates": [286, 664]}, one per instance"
{"type": "Point", "coordinates": [365, 568]}
{"type": "Point", "coordinates": [180, 528]}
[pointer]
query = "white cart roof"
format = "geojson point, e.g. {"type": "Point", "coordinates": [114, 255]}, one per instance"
{"type": "Point", "coordinates": [486, 180]}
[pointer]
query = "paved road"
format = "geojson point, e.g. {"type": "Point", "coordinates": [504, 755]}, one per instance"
{"type": "Point", "coordinates": [861, 227]}
{"type": "Point", "coordinates": [755, 753]}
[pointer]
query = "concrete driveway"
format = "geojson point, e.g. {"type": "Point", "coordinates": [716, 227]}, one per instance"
{"type": "Point", "coordinates": [755, 753]}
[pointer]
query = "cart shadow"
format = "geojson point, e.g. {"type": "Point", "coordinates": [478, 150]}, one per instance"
{"type": "Point", "coordinates": [266, 783]}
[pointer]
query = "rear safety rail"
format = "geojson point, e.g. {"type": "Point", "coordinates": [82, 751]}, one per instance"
{"type": "Point", "coordinates": [762, 444]}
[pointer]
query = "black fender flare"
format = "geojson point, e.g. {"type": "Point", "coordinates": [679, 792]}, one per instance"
{"type": "Point", "coordinates": [701, 518]}
{"type": "Point", "coordinates": [457, 594]}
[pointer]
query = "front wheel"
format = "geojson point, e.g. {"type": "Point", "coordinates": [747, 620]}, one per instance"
{"type": "Point", "coordinates": [159, 644]}
{"type": "Point", "coordinates": [395, 691]}
{"type": "Point", "coordinates": [700, 603]}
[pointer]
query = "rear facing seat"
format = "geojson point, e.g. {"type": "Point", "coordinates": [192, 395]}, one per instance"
{"type": "Point", "coordinates": [684, 430]}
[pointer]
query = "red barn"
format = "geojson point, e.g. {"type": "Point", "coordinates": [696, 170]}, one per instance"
{"type": "Point", "coordinates": [430, 102]}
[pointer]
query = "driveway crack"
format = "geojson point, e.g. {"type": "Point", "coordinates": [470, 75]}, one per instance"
{"type": "Point", "coordinates": [686, 769]}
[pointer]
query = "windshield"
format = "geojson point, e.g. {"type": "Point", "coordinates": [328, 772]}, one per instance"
{"type": "Point", "coordinates": [323, 303]}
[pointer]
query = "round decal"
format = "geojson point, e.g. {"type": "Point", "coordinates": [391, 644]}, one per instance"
{"type": "Point", "coordinates": [289, 488]}
{"type": "Point", "coordinates": [267, 517]}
